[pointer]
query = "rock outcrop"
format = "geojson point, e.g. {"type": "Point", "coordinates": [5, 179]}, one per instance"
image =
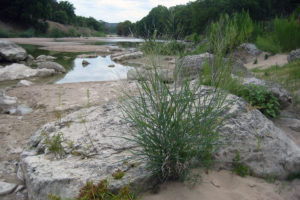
{"type": "Point", "coordinates": [191, 66]}
{"type": "Point", "coordinates": [11, 52]}
{"type": "Point", "coordinates": [246, 53]}
{"type": "Point", "coordinates": [51, 65]}
{"type": "Point", "coordinates": [294, 55]}
{"type": "Point", "coordinates": [43, 58]}
{"type": "Point", "coordinates": [20, 71]}
{"type": "Point", "coordinates": [7, 188]}
{"type": "Point", "coordinates": [90, 154]}
{"type": "Point", "coordinates": [92, 147]}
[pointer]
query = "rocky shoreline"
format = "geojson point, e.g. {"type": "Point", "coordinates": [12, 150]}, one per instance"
{"type": "Point", "coordinates": [63, 109]}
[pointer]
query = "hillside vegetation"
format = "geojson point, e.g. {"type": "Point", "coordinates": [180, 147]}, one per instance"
{"type": "Point", "coordinates": [32, 17]}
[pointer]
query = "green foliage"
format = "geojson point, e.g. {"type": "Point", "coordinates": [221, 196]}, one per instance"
{"type": "Point", "coordinates": [201, 48]}
{"type": "Point", "coordinates": [293, 176]}
{"type": "Point", "coordinates": [118, 174]}
{"type": "Point", "coordinates": [228, 33]}
{"type": "Point", "coordinates": [267, 43]}
{"type": "Point", "coordinates": [54, 143]}
{"type": "Point", "coordinates": [53, 197]}
{"type": "Point", "coordinates": [278, 38]}
{"type": "Point", "coordinates": [259, 97]}
{"type": "Point", "coordinates": [101, 192]}
{"type": "Point", "coordinates": [174, 127]}
{"type": "Point", "coordinates": [168, 48]}
{"type": "Point", "coordinates": [239, 168]}
{"type": "Point", "coordinates": [28, 33]}
{"type": "Point", "coordinates": [288, 76]}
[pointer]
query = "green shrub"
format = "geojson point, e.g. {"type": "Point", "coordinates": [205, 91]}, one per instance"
{"type": "Point", "coordinates": [259, 97]}
{"type": "Point", "coordinates": [239, 168]}
{"type": "Point", "coordinates": [228, 33]}
{"type": "Point", "coordinates": [278, 39]}
{"type": "Point", "coordinates": [28, 33]}
{"type": "Point", "coordinates": [163, 48]}
{"type": "Point", "coordinates": [267, 43]}
{"type": "Point", "coordinates": [56, 33]}
{"type": "Point", "coordinates": [4, 34]}
{"type": "Point", "coordinates": [174, 128]}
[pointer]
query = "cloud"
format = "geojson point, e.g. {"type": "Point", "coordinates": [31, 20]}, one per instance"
{"type": "Point", "coordinates": [119, 10]}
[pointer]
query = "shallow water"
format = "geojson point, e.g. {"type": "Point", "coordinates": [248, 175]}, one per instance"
{"type": "Point", "coordinates": [97, 70]}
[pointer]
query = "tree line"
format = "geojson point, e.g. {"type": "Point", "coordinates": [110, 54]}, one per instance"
{"type": "Point", "coordinates": [182, 20]}
{"type": "Point", "coordinates": [34, 13]}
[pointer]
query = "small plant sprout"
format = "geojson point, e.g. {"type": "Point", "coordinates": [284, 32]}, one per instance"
{"type": "Point", "coordinates": [88, 98]}
{"type": "Point", "coordinates": [239, 168]}
{"type": "Point", "coordinates": [54, 143]}
{"type": "Point", "coordinates": [118, 174]}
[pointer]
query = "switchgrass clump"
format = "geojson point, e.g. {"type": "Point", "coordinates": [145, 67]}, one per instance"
{"type": "Point", "coordinates": [175, 126]}
{"type": "Point", "coordinates": [229, 32]}
{"type": "Point", "coordinates": [278, 39]}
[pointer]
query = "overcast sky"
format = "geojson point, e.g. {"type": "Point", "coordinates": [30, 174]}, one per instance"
{"type": "Point", "coordinates": [119, 10]}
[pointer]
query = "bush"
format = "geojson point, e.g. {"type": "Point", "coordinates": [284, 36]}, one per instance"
{"type": "Point", "coordinates": [228, 33]}
{"type": "Point", "coordinates": [163, 48]}
{"type": "Point", "coordinates": [260, 98]}
{"type": "Point", "coordinates": [28, 33]}
{"type": "Point", "coordinates": [4, 34]}
{"type": "Point", "coordinates": [239, 168]}
{"type": "Point", "coordinates": [267, 43]}
{"type": "Point", "coordinates": [56, 33]}
{"type": "Point", "coordinates": [174, 128]}
{"type": "Point", "coordinates": [278, 39]}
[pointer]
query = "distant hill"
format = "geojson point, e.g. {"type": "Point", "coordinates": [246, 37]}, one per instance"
{"type": "Point", "coordinates": [110, 27]}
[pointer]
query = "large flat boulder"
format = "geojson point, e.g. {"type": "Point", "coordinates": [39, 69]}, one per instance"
{"type": "Point", "coordinates": [21, 71]}
{"type": "Point", "coordinates": [92, 148]}
{"type": "Point", "coordinates": [11, 52]}
{"type": "Point", "coordinates": [191, 66]}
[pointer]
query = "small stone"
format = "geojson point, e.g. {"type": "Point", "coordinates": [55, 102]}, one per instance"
{"type": "Point", "coordinates": [112, 65]}
{"type": "Point", "coordinates": [85, 63]}
{"type": "Point", "coordinates": [24, 83]}
{"type": "Point", "coordinates": [6, 188]}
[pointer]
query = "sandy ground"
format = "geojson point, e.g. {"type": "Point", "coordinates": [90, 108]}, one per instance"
{"type": "Point", "coordinates": [15, 130]}
{"type": "Point", "coordinates": [224, 185]}
{"type": "Point", "coordinates": [262, 63]}
{"type": "Point", "coordinates": [64, 44]}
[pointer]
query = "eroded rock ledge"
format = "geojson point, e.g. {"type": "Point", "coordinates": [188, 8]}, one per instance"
{"type": "Point", "coordinates": [93, 149]}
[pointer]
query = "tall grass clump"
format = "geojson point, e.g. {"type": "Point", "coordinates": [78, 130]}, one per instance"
{"type": "Point", "coordinates": [229, 32]}
{"type": "Point", "coordinates": [284, 36]}
{"type": "Point", "coordinates": [174, 127]}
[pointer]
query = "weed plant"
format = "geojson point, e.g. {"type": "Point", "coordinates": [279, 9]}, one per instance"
{"type": "Point", "coordinates": [239, 168]}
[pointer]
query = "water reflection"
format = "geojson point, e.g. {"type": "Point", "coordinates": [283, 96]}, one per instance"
{"type": "Point", "coordinates": [97, 70]}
